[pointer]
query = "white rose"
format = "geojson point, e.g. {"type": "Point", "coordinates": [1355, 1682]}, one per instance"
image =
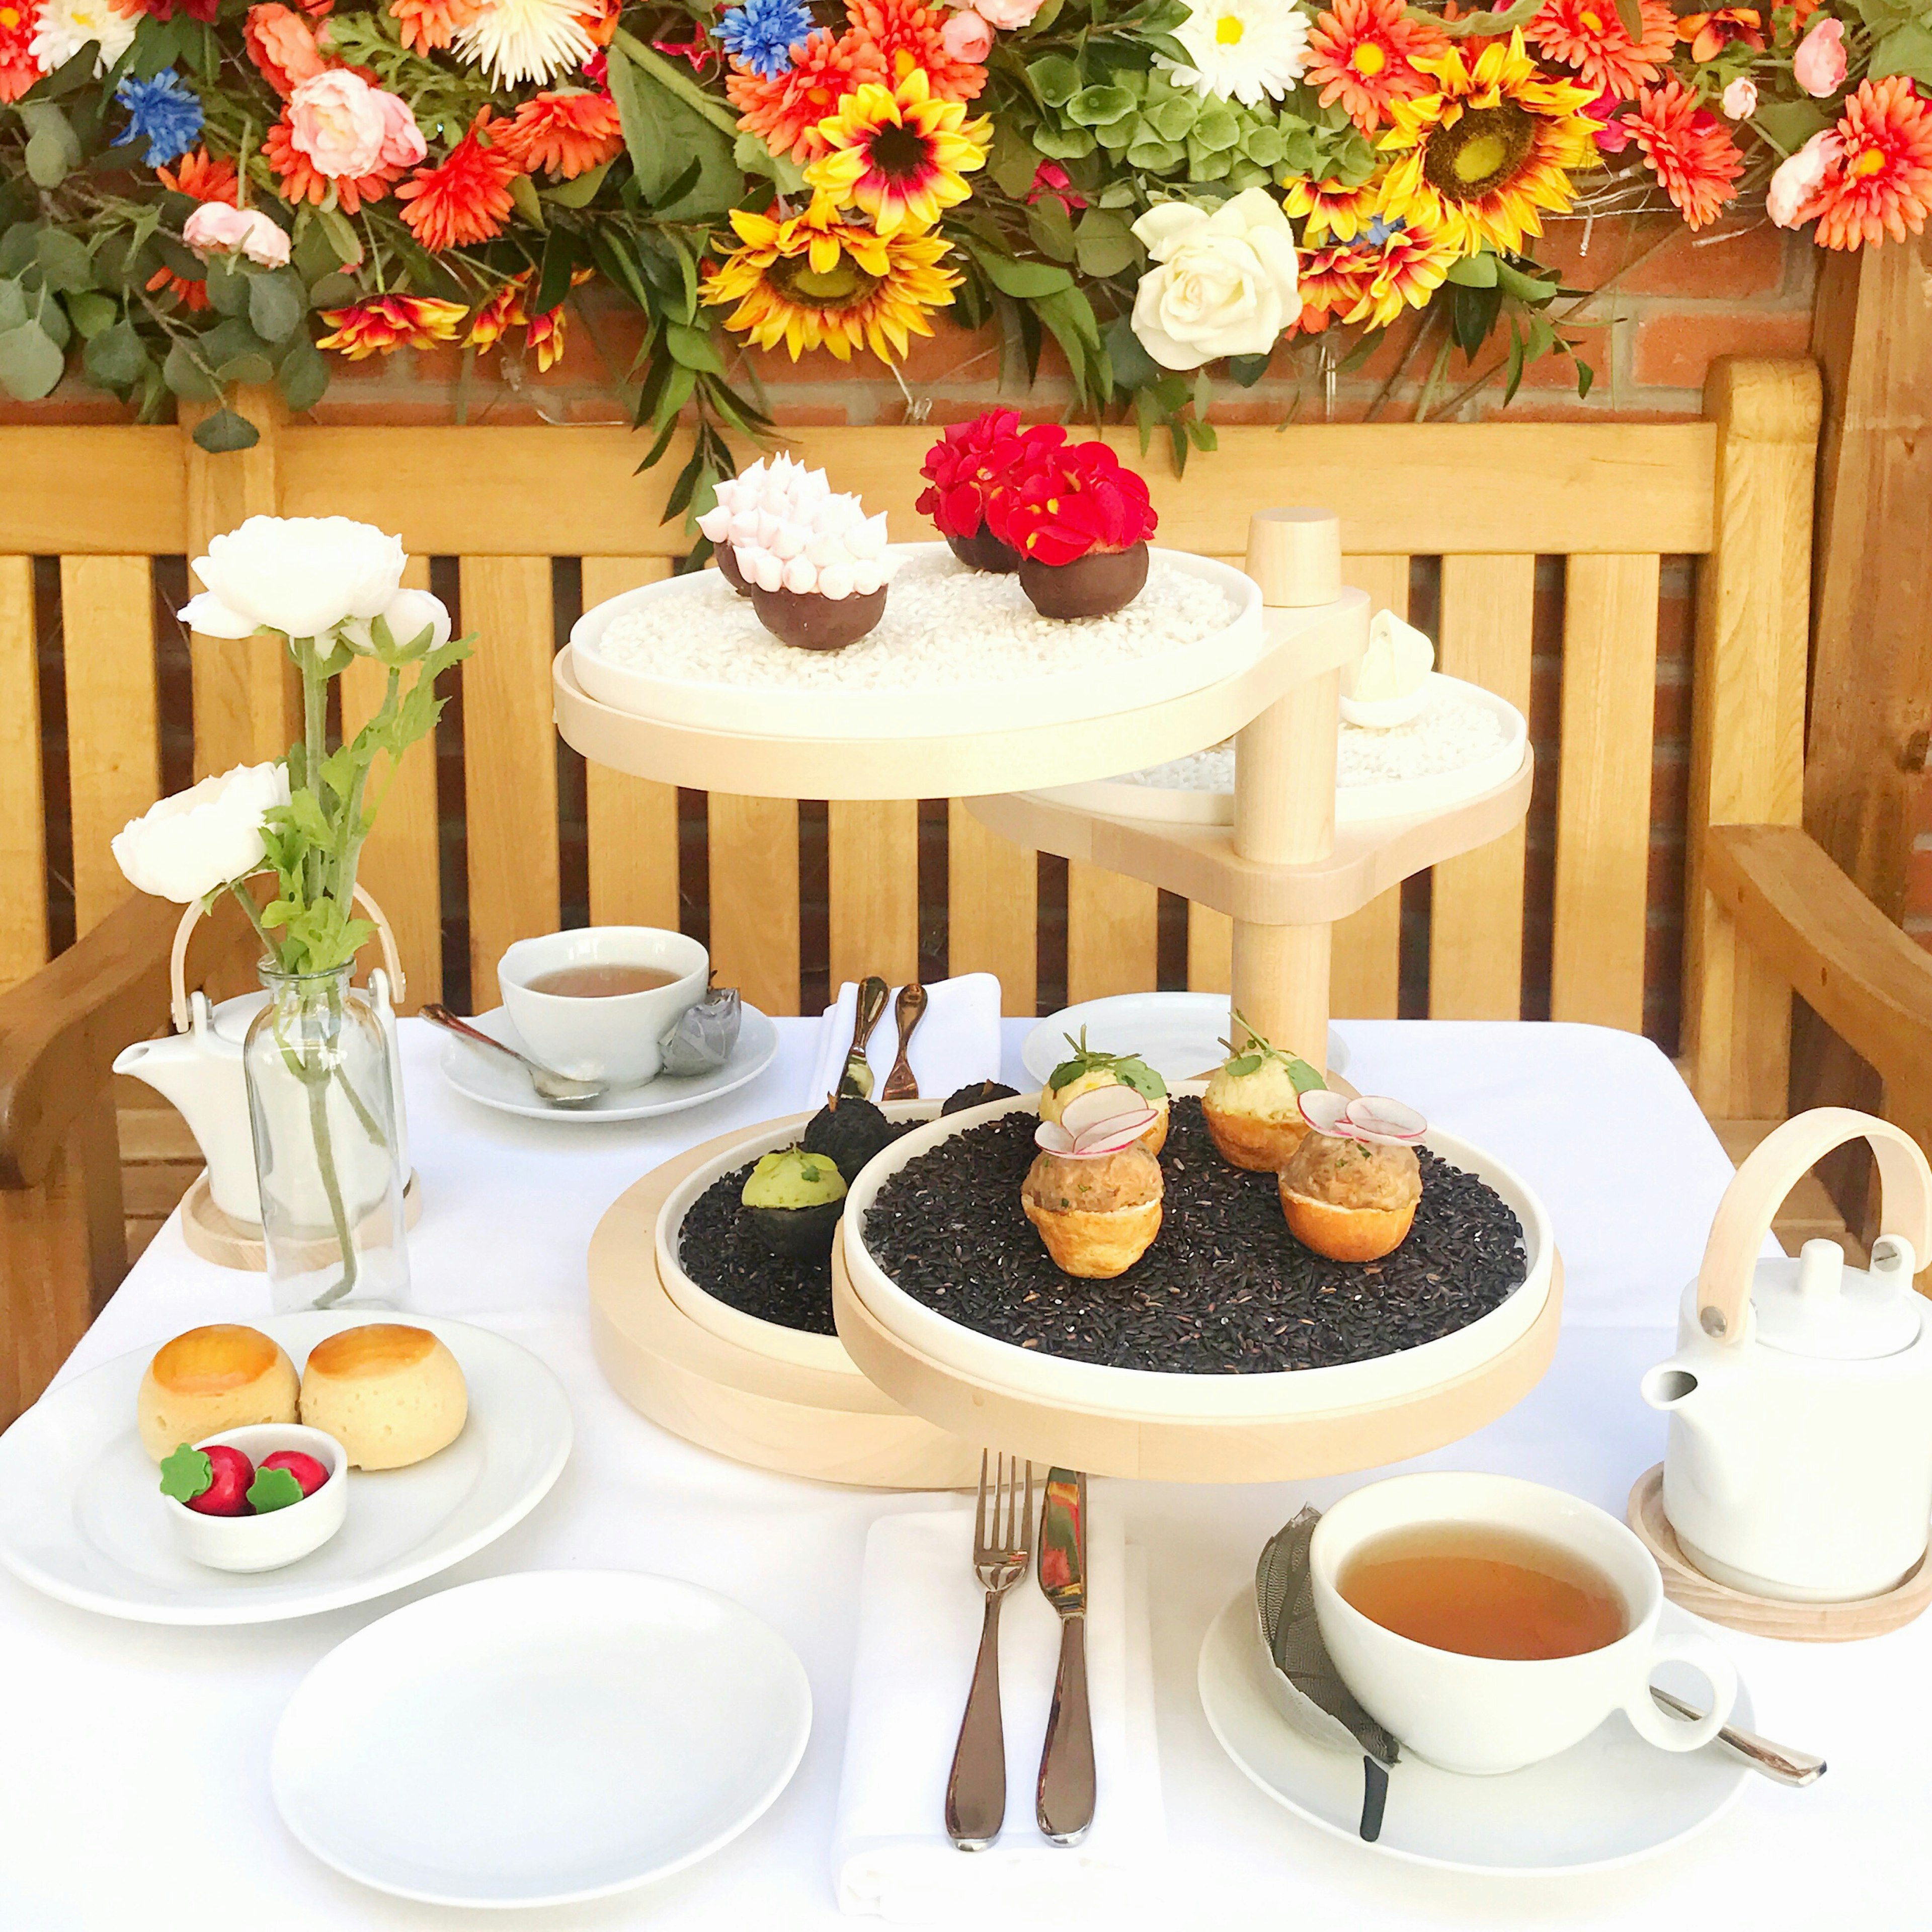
{"type": "Point", "coordinates": [408, 614]}
{"type": "Point", "coordinates": [1223, 284]}
{"type": "Point", "coordinates": [186, 846]}
{"type": "Point", "coordinates": [300, 575]}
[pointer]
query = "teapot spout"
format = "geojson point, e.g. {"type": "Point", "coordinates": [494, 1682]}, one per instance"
{"type": "Point", "coordinates": [1691, 1389]}
{"type": "Point", "coordinates": [1669, 1386]}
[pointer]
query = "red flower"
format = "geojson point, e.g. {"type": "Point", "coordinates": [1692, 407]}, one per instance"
{"type": "Point", "coordinates": [1050, 178]}
{"type": "Point", "coordinates": [18, 69]}
{"type": "Point", "coordinates": [1689, 149]}
{"type": "Point", "coordinates": [1590, 37]}
{"type": "Point", "coordinates": [282, 46]}
{"type": "Point", "coordinates": [1070, 500]}
{"type": "Point", "coordinates": [465, 197]}
{"type": "Point", "coordinates": [1708, 35]}
{"type": "Point", "coordinates": [1881, 184]}
{"type": "Point", "coordinates": [566, 133]}
{"type": "Point", "coordinates": [967, 466]}
{"type": "Point", "coordinates": [203, 10]}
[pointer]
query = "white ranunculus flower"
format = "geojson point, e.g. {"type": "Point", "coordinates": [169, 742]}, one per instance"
{"type": "Point", "coordinates": [1222, 283]}
{"type": "Point", "coordinates": [186, 846]}
{"type": "Point", "coordinates": [300, 575]}
{"type": "Point", "coordinates": [408, 614]}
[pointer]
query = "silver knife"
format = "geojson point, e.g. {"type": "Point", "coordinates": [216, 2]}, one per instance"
{"type": "Point", "coordinates": [1064, 1803]}
{"type": "Point", "coordinates": [856, 1080]}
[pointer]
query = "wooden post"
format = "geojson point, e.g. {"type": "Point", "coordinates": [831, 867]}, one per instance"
{"type": "Point", "coordinates": [1748, 715]}
{"type": "Point", "coordinates": [1285, 791]}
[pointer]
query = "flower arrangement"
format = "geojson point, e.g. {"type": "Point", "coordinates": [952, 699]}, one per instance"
{"type": "Point", "coordinates": [195, 194]}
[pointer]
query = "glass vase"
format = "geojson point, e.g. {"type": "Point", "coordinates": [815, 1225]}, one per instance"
{"type": "Point", "coordinates": [327, 1153]}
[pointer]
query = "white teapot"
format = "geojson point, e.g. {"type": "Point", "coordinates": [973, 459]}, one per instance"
{"type": "Point", "coordinates": [198, 1068]}
{"type": "Point", "coordinates": [1799, 1462]}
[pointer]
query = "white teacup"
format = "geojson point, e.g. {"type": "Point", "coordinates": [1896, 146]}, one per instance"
{"type": "Point", "coordinates": [1484, 1714]}
{"type": "Point", "coordinates": [611, 1037]}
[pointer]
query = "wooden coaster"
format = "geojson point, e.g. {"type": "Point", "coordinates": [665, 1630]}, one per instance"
{"type": "Point", "coordinates": [219, 1237]}
{"type": "Point", "coordinates": [1687, 1586]}
{"type": "Point", "coordinates": [830, 1424]}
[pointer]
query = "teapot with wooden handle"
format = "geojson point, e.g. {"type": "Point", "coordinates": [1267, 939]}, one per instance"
{"type": "Point", "coordinates": [1799, 1462]}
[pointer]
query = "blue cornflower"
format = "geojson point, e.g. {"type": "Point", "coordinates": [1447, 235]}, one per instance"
{"type": "Point", "coordinates": [762, 34]}
{"type": "Point", "coordinates": [163, 113]}
{"type": "Point", "coordinates": [1380, 231]}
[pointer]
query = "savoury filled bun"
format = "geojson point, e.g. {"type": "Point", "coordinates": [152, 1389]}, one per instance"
{"type": "Point", "coordinates": [390, 1394]}
{"type": "Point", "coordinates": [224, 1376]}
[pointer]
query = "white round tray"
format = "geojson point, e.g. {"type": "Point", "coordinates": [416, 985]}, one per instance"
{"type": "Point", "coordinates": [1060, 697]}
{"type": "Point", "coordinates": [1164, 1395]}
{"type": "Point", "coordinates": [1354, 805]}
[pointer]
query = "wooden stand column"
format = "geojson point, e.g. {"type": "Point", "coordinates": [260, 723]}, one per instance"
{"type": "Point", "coordinates": [1285, 791]}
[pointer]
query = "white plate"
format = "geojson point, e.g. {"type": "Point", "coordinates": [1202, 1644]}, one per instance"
{"type": "Point", "coordinates": [536, 1739]}
{"type": "Point", "coordinates": [1355, 804]}
{"type": "Point", "coordinates": [1179, 1035]}
{"type": "Point", "coordinates": [1058, 698]}
{"type": "Point", "coordinates": [80, 1503]}
{"type": "Point", "coordinates": [481, 1076]}
{"type": "Point", "coordinates": [1606, 1801]}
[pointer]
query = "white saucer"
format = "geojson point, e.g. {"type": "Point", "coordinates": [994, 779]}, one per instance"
{"type": "Point", "coordinates": [1179, 1035]}
{"type": "Point", "coordinates": [537, 1739]}
{"type": "Point", "coordinates": [481, 1076]}
{"type": "Point", "coordinates": [82, 1514]}
{"type": "Point", "coordinates": [1607, 1802]}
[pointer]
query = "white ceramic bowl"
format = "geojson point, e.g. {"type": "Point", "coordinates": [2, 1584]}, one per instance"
{"type": "Point", "coordinates": [613, 1037]}
{"type": "Point", "coordinates": [1167, 1395]}
{"type": "Point", "coordinates": [246, 1544]}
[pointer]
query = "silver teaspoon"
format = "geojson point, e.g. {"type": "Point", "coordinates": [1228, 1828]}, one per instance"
{"type": "Point", "coordinates": [1778, 1763]}
{"type": "Point", "coordinates": [557, 1088]}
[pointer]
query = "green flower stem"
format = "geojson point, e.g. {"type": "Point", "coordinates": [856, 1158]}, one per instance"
{"type": "Point", "coordinates": [325, 1160]}
{"type": "Point", "coordinates": [315, 738]}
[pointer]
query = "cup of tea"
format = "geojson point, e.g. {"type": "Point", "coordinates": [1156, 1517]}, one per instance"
{"type": "Point", "coordinates": [595, 1003]}
{"type": "Point", "coordinates": [1490, 1622]}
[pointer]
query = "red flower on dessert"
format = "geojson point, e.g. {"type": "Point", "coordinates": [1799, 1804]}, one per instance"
{"type": "Point", "coordinates": [300, 180]}
{"type": "Point", "coordinates": [967, 467]}
{"type": "Point", "coordinates": [1360, 54]}
{"type": "Point", "coordinates": [1708, 35]}
{"type": "Point", "coordinates": [1588, 36]}
{"type": "Point", "coordinates": [283, 46]}
{"type": "Point", "coordinates": [384, 323]}
{"type": "Point", "coordinates": [887, 29]}
{"type": "Point", "coordinates": [424, 25]}
{"type": "Point", "coordinates": [785, 112]}
{"type": "Point", "coordinates": [465, 197]}
{"type": "Point", "coordinates": [1881, 183]}
{"type": "Point", "coordinates": [566, 133]}
{"type": "Point", "coordinates": [1070, 500]}
{"type": "Point", "coordinates": [1689, 149]}
{"type": "Point", "coordinates": [18, 69]}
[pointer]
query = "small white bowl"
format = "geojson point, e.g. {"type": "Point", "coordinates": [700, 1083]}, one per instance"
{"type": "Point", "coordinates": [247, 1543]}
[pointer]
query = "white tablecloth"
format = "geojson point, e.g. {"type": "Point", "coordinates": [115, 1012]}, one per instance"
{"type": "Point", "coordinates": [133, 1790]}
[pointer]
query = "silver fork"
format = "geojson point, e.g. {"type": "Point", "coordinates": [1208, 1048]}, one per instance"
{"type": "Point", "coordinates": [976, 1793]}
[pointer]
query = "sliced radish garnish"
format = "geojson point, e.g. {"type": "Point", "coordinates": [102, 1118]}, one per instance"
{"type": "Point", "coordinates": [1099, 1104]}
{"type": "Point", "coordinates": [1084, 1132]}
{"type": "Point", "coordinates": [1052, 1136]}
{"type": "Point", "coordinates": [1324, 1110]}
{"type": "Point", "coordinates": [1376, 1117]}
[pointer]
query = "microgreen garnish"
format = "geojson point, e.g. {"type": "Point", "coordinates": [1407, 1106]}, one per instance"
{"type": "Point", "coordinates": [273, 1490]}
{"type": "Point", "coordinates": [1257, 1052]}
{"type": "Point", "coordinates": [186, 1474]}
{"type": "Point", "coordinates": [1129, 1069]}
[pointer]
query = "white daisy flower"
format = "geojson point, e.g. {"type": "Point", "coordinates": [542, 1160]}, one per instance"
{"type": "Point", "coordinates": [526, 39]}
{"type": "Point", "coordinates": [65, 26]}
{"type": "Point", "coordinates": [1244, 49]}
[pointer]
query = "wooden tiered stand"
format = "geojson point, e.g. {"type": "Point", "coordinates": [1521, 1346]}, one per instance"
{"type": "Point", "coordinates": [1279, 871]}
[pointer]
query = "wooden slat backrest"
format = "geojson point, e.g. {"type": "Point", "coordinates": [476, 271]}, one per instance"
{"type": "Point", "coordinates": [23, 837]}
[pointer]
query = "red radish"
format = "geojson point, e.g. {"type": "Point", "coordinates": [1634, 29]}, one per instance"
{"type": "Point", "coordinates": [310, 1473]}
{"type": "Point", "coordinates": [227, 1494]}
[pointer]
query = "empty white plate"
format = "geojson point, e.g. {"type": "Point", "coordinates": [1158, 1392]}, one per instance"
{"type": "Point", "coordinates": [536, 1739]}
{"type": "Point", "coordinates": [1605, 1802]}
{"type": "Point", "coordinates": [1179, 1035]}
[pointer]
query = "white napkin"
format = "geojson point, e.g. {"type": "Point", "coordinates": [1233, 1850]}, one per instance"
{"type": "Point", "coordinates": [919, 1631]}
{"type": "Point", "coordinates": [957, 1042]}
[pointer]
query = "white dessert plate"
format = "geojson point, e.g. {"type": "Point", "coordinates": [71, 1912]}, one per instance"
{"type": "Point", "coordinates": [81, 1514]}
{"type": "Point", "coordinates": [481, 1076]}
{"type": "Point", "coordinates": [540, 1738]}
{"type": "Point", "coordinates": [1179, 1035]}
{"type": "Point", "coordinates": [1606, 1801]}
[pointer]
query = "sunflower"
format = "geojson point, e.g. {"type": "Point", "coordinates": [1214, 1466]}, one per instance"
{"type": "Point", "coordinates": [566, 133]}
{"type": "Point", "coordinates": [383, 323]}
{"type": "Point", "coordinates": [785, 112]}
{"type": "Point", "coordinates": [1881, 183]}
{"type": "Point", "coordinates": [1489, 148]}
{"type": "Point", "coordinates": [1332, 212]}
{"type": "Point", "coordinates": [1588, 36]}
{"type": "Point", "coordinates": [1360, 54]}
{"type": "Point", "coordinates": [1689, 149]}
{"type": "Point", "coordinates": [899, 153]}
{"type": "Point", "coordinates": [814, 280]}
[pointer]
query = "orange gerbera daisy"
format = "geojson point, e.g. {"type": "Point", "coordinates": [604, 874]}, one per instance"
{"type": "Point", "coordinates": [567, 132]}
{"type": "Point", "coordinates": [424, 25]}
{"type": "Point", "coordinates": [890, 28]}
{"type": "Point", "coordinates": [300, 181]}
{"type": "Point", "coordinates": [380, 324]}
{"type": "Point", "coordinates": [1689, 149]}
{"type": "Point", "coordinates": [599, 20]}
{"type": "Point", "coordinates": [18, 69]}
{"type": "Point", "coordinates": [202, 176]}
{"type": "Point", "coordinates": [1708, 35]}
{"type": "Point", "coordinates": [1883, 183]}
{"type": "Point", "coordinates": [1331, 210]}
{"type": "Point", "coordinates": [465, 197]}
{"type": "Point", "coordinates": [900, 153]}
{"type": "Point", "coordinates": [1589, 37]}
{"type": "Point", "coordinates": [1359, 54]}
{"type": "Point", "coordinates": [282, 45]}
{"type": "Point", "coordinates": [785, 112]}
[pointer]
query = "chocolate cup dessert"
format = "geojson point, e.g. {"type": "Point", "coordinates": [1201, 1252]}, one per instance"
{"type": "Point", "coordinates": [985, 552]}
{"type": "Point", "coordinates": [1093, 585]}
{"type": "Point", "coordinates": [727, 569]}
{"type": "Point", "coordinates": [810, 621]}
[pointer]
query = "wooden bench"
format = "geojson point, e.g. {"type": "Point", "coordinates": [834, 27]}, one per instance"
{"type": "Point", "coordinates": [524, 523]}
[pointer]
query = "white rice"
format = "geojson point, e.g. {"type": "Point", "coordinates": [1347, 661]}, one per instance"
{"type": "Point", "coordinates": [944, 626]}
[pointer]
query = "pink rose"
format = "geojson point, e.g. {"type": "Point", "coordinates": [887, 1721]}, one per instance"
{"type": "Point", "coordinates": [1799, 178]}
{"type": "Point", "coordinates": [337, 119]}
{"type": "Point", "coordinates": [402, 143]}
{"type": "Point", "coordinates": [1818, 64]}
{"type": "Point", "coordinates": [216, 229]}
{"type": "Point", "coordinates": [1741, 98]}
{"type": "Point", "coordinates": [1007, 14]}
{"type": "Point", "coordinates": [967, 36]}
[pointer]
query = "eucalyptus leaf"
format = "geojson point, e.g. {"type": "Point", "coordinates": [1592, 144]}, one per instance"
{"type": "Point", "coordinates": [17, 248]}
{"type": "Point", "coordinates": [116, 356]}
{"type": "Point", "coordinates": [1095, 106]}
{"type": "Point", "coordinates": [53, 152]}
{"type": "Point", "coordinates": [227, 286]}
{"type": "Point", "coordinates": [185, 374]}
{"type": "Point", "coordinates": [303, 375]}
{"type": "Point", "coordinates": [277, 303]}
{"type": "Point", "coordinates": [64, 263]}
{"type": "Point", "coordinates": [31, 362]}
{"type": "Point", "coordinates": [91, 312]}
{"type": "Point", "coordinates": [12, 304]}
{"type": "Point", "coordinates": [1064, 144]}
{"type": "Point", "coordinates": [1055, 78]}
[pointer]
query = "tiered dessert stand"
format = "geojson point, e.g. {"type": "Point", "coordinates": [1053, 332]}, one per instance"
{"type": "Point", "coordinates": [1281, 874]}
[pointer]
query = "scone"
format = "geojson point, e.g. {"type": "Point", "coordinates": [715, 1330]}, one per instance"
{"type": "Point", "coordinates": [224, 1376]}
{"type": "Point", "coordinates": [390, 1394]}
